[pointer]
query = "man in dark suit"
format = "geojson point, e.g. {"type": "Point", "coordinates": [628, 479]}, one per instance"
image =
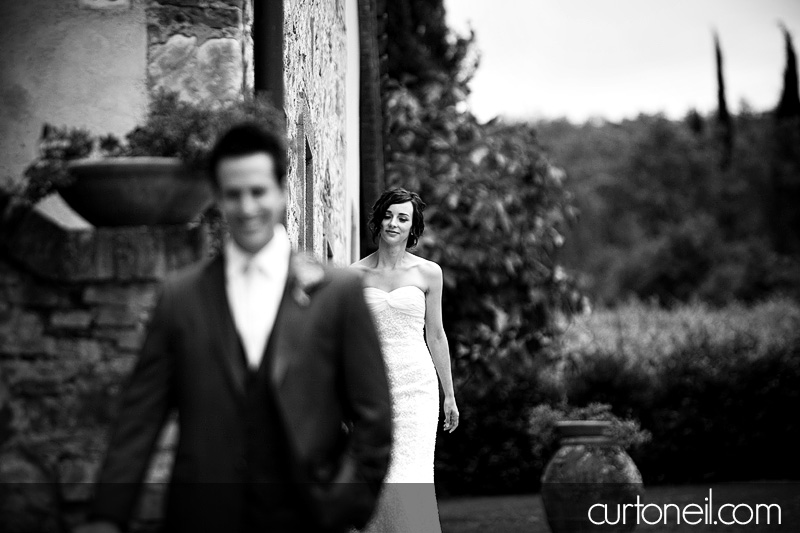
{"type": "Point", "coordinates": [274, 367]}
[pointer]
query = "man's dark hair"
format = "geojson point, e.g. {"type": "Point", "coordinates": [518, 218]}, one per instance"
{"type": "Point", "coordinates": [247, 139]}
{"type": "Point", "coordinates": [398, 196]}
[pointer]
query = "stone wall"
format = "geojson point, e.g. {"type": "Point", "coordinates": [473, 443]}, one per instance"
{"type": "Point", "coordinates": [315, 58]}
{"type": "Point", "coordinates": [201, 49]}
{"type": "Point", "coordinates": [73, 307]}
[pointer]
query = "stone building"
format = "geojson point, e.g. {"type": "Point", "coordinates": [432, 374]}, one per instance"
{"type": "Point", "coordinates": [74, 298]}
{"type": "Point", "coordinates": [95, 63]}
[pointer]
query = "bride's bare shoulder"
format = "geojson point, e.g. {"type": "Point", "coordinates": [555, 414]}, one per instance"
{"type": "Point", "coordinates": [364, 265]}
{"type": "Point", "coordinates": [426, 267]}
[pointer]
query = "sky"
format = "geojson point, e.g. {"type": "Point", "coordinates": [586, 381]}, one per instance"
{"type": "Point", "coordinates": [615, 59]}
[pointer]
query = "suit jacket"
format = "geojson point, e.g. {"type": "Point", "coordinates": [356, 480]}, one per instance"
{"type": "Point", "coordinates": [330, 389]}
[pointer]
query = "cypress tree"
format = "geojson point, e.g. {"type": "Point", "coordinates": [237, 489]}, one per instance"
{"type": "Point", "coordinates": [421, 48]}
{"type": "Point", "coordinates": [724, 122]}
{"type": "Point", "coordinates": [784, 215]}
{"type": "Point", "coordinates": [789, 105]}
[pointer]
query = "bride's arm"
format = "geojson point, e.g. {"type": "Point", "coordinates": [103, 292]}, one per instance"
{"type": "Point", "coordinates": [437, 342]}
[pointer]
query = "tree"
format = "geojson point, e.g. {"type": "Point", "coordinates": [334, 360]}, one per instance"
{"type": "Point", "coordinates": [724, 122]}
{"type": "Point", "coordinates": [421, 48]}
{"type": "Point", "coordinates": [789, 104]}
{"type": "Point", "coordinates": [785, 172]}
{"type": "Point", "coordinates": [660, 220]}
{"type": "Point", "coordinates": [497, 210]}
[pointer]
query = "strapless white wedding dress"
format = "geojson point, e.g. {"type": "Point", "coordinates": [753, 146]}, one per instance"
{"type": "Point", "coordinates": [408, 500]}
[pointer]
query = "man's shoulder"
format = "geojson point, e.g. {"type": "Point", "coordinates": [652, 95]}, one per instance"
{"type": "Point", "coordinates": [315, 276]}
{"type": "Point", "coordinates": [189, 277]}
{"type": "Point", "coordinates": [343, 277]}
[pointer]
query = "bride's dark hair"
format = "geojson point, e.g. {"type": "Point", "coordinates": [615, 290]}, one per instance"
{"type": "Point", "coordinates": [398, 196]}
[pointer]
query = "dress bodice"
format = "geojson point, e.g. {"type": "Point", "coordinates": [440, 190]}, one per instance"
{"type": "Point", "coordinates": [399, 314]}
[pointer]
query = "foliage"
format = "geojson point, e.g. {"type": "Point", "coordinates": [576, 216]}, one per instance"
{"type": "Point", "coordinates": [543, 418]}
{"type": "Point", "coordinates": [491, 452]}
{"type": "Point", "coordinates": [675, 211]}
{"type": "Point", "coordinates": [643, 332]}
{"type": "Point", "coordinates": [716, 382]}
{"type": "Point", "coordinates": [171, 128]}
{"type": "Point", "coordinates": [479, 184]}
{"type": "Point", "coordinates": [661, 219]}
{"type": "Point", "coordinates": [57, 146]}
{"type": "Point", "coordinates": [481, 181]}
{"type": "Point", "coordinates": [783, 201]}
{"type": "Point", "coordinates": [176, 128]}
{"type": "Point", "coordinates": [420, 47]}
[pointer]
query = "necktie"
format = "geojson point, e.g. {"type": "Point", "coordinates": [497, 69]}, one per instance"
{"type": "Point", "coordinates": [251, 318]}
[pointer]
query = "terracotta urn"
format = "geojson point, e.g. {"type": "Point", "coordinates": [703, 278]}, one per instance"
{"type": "Point", "coordinates": [589, 480]}
{"type": "Point", "coordinates": [135, 191]}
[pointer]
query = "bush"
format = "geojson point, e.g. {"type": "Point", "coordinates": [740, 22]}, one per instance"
{"type": "Point", "coordinates": [504, 297]}
{"type": "Point", "coordinates": [711, 386]}
{"type": "Point", "coordinates": [492, 451]}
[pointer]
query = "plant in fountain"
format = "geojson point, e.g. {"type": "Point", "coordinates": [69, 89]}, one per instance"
{"type": "Point", "coordinates": [543, 419]}
{"type": "Point", "coordinates": [171, 128]}
{"type": "Point", "coordinates": [57, 146]}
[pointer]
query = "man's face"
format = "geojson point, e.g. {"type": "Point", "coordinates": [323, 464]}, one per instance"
{"type": "Point", "coordinates": [250, 198]}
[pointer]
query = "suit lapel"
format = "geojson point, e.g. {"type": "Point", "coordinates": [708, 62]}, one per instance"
{"type": "Point", "coordinates": [287, 315]}
{"type": "Point", "coordinates": [226, 348]}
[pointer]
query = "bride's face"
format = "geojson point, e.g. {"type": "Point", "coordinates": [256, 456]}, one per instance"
{"type": "Point", "coordinates": [396, 223]}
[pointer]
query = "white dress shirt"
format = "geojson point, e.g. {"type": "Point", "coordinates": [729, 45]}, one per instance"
{"type": "Point", "coordinates": [254, 284]}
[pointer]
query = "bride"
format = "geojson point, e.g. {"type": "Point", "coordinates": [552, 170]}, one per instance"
{"type": "Point", "coordinates": [404, 293]}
